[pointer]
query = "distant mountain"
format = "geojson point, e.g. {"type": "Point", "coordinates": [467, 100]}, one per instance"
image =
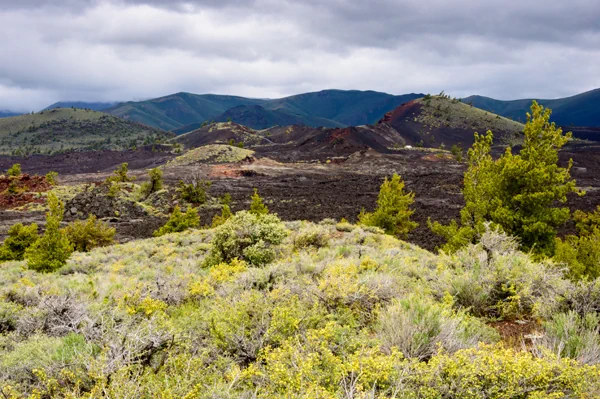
{"type": "Point", "coordinates": [8, 114]}
{"type": "Point", "coordinates": [176, 110]}
{"type": "Point", "coordinates": [184, 112]}
{"type": "Point", "coordinates": [579, 110]}
{"type": "Point", "coordinates": [66, 129]}
{"type": "Point", "coordinates": [94, 106]}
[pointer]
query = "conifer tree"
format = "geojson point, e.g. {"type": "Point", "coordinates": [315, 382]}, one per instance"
{"type": "Point", "coordinates": [393, 209]}
{"type": "Point", "coordinates": [52, 250]}
{"type": "Point", "coordinates": [257, 207]}
{"type": "Point", "coordinates": [516, 193]}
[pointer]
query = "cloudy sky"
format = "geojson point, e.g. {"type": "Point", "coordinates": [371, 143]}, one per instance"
{"type": "Point", "coordinates": [95, 50]}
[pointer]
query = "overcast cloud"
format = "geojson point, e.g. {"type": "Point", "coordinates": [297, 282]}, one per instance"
{"type": "Point", "coordinates": [134, 49]}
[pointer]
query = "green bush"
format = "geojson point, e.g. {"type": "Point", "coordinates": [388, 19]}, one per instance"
{"type": "Point", "coordinates": [155, 183]}
{"type": "Point", "coordinates": [52, 178]}
{"type": "Point", "coordinates": [248, 237]}
{"type": "Point", "coordinates": [392, 213]}
{"type": "Point", "coordinates": [313, 236]}
{"type": "Point", "coordinates": [257, 207]}
{"type": "Point", "coordinates": [89, 234]}
{"type": "Point", "coordinates": [120, 175]}
{"type": "Point", "coordinates": [19, 239]}
{"type": "Point", "coordinates": [222, 218]}
{"type": "Point", "coordinates": [180, 221]}
{"type": "Point", "coordinates": [14, 170]}
{"type": "Point", "coordinates": [515, 192]}
{"type": "Point", "coordinates": [195, 191]}
{"type": "Point", "coordinates": [52, 250]}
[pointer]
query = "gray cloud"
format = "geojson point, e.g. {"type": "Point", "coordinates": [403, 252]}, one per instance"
{"type": "Point", "coordinates": [132, 49]}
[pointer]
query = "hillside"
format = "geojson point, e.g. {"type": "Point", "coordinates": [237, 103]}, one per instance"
{"type": "Point", "coordinates": [94, 106]}
{"type": "Point", "coordinates": [176, 110]}
{"type": "Point", "coordinates": [184, 112]}
{"type": "Point", "coordinates": [436, 120]}
{"type": "Point", "coordinates": [70, 129]}
{"type": "Point", "coordinates": [328, 306]}
{"type": "Point", "coordinates": [579, 110]}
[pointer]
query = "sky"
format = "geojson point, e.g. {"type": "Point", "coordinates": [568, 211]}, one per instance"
{"type": "Point", "coordinates": [118, 50]}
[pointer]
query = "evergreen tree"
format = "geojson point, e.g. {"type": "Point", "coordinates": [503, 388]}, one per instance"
{"type": "Point", "coordinates": [257, 207]}
{"type": "Point", "coordinates": [515, 192]}
{"type": "Point", "coordinates": [19, 239]}
{"type": "Point", "coordinates": [52, 250]}
{"type": "Point", "coordinates": [179, 221]}
{"type": "Point", "coordinates": [392, 213]}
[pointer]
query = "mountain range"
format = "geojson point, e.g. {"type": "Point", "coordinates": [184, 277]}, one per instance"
{"type": "Point", "coordinates": [183, 112]}
{"type": "Point", "coordinates": [94, 106]}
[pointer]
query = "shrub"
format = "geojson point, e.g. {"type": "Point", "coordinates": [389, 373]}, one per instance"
{"type": "Point", "coordinates": [14, 170]}
{"type": "Point", "coordinates": [313, 236]}
{"type": "Point", "coordinates": [155, 183]}
{"type": "Point", "coordinates": [19, 239]}
{"type": "Point", "coordinates": [52, 178]}
{"type": "Point", "coordinates": [222, 218]}
{"type": "Point", "coordinates": [419, 327]}
{"type": "Point", "coordinates": [179, 221]}
{"type": "Point", "coordinates": [194, 191]}
{"type": "Point", "coordinates": [392, 213]}
{"type": "Point", "coordinates": [257, 207]}
{"type": "Point", "coordinates": [515, 192]}
{"type": "Point", "coordinates": [248, 237]}
{"type": "Point", "coordinates": [52, 250]}
{"type": "Point", "coordinates": [89, 234]}
{"type": "Point", "coordinates": [120, 175]}
{"type": "Point", "coordinates": [572, 335]}
{"type": "Point", "coordinates": [457, 151]}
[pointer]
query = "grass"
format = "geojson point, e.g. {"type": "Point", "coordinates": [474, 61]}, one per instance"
{"type": "Point", "coordinates": [61, 130]}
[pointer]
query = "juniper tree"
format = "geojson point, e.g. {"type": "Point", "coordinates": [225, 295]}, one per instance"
{"type": "Point", "coordinates": [393, 209]}
{"type": "Point", "coordinates": [517, 193]}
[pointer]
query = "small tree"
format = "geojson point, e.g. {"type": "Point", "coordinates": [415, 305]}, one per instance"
{"type": "Point", "coordinates": [14, 170]}
{"type": "Point", "coordinates": [52, 178]}
{"type": "Point", "coordinates": [179, 221]}
{"type": "Point", "coordinates": [19, 239]}
{"type": "Point", "coordinates": [155, 183]}
{"type": "Point", "coordinates": [52, 250]}
{"type": "Point", "coordinates": [393, 209]}
{"type": "Point", "coordinates": [515, 192]}
{"type": "Point", "coordinates": [89, 234]}
{"type": "Point", "coordinates": [120, 175]}
{"type": "Point", "coordinates": [257, 207]}
{"type": "Point", "coordinates": [223, 217]}
{"type": "Point", "coordinates": [194, 191]}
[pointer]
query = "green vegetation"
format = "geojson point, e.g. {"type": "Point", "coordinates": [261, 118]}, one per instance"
{"type": "Point", "coordinates": [155, 183]}
{"type": "Point", "coordinates": [180, 221]}
{"type": "Point", "coordinates": [120, 175]}
{"type": "Point", "coordinates": [89, 234]}
{"type": "Point", "coordinates": [14, 170]}
{"type": "Point", "coordinates": [61, 130]}
{"type": "Point", "coordinates": [257, 207]}
{"type": "Point", "coordinates": [222, 218]}
{"type": "Point", "coordinates": [52, 178]}
{"type": "Point", "coordinates": [392, 213]}
{"type": "Point", "coordinates": [247, 236]}
{"type": "Point", "coordinates": [515, 192]}
{"type": "Point", "coordinates": [19, 239]}
{"type": "Point", "coordinates": [194, 191]}
{"type": "Point", "coordinates": [359, 312]}
{"type": "Point", "coordinates": [52, 250]}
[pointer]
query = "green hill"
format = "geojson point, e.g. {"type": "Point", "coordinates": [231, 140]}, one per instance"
{"type": "Point", "coordinates": [72, 129]}
{"type": "Point", "coordinates": [94, 106]}
{"type": "Point", "coordinates": [579, 110]}
{"type": "Point", "coordinates": [184, 112]}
